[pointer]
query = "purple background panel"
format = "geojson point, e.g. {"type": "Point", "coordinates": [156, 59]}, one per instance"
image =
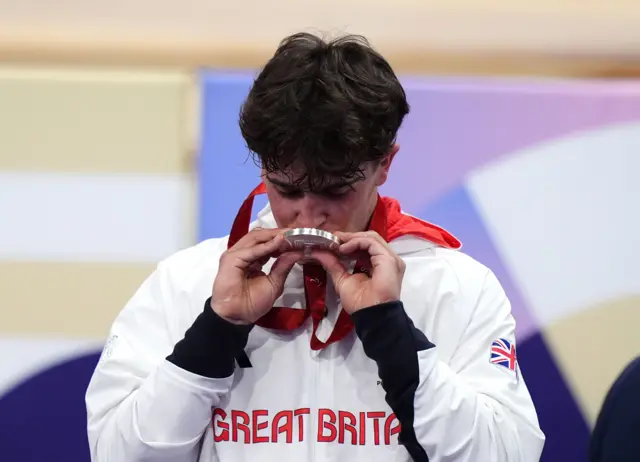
{"type": "Point", "coordinates": [566, 430]}
{"type": "Point", "coordinates": [226, 173]}
{"type": "Point", "coordinates": [48, 416]}
{"type": "Point", "coordinates": [456, 126]}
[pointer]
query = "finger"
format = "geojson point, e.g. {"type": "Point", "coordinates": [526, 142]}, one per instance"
{"type": "Point", "coordinates": [257, 236]}
{"type": "Point", "coordinates": [345, 237]}
{"type": "Point", "coordinates": [367, 244]}
{"type": "Point", "coordinates": [281, 268]}
{"type": "Point", "coordinates": [263, 260]}
{"type": "Point", "coordinates": [243, 258]}
{"type": "Point", "coordinates": [332, 264]}
{"type": "Point", "coordinates": [356, 255]}
{"type": "Point", "coordinates": [259, 263]}
{"type": "Point", "coordinates": [255, 267]}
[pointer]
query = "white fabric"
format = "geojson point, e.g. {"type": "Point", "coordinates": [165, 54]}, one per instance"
{"type": "Point", "coordinates": [143, 408]}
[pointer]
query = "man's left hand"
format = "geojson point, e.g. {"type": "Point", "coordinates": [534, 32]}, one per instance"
{"type": "Point", "coordinates": [361, 290]}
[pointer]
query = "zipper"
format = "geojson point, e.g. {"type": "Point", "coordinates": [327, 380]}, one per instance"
{"type": "Point", "coordinates": [313, 414]}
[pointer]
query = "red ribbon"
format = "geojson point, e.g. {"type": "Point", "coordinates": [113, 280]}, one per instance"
{"type": "Point", "coordinates": [387, 220]}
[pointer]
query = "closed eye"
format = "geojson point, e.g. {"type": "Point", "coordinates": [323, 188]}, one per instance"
{"type": "Point", "coordinates": [290, 194]}
{"type": "Point", "coordinates": [329, 193]}
{"type": "Point", "coordinates": [335, 194]}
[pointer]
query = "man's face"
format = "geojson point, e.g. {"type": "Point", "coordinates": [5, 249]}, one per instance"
{"type": "Point", "coordinates": [336, 206]}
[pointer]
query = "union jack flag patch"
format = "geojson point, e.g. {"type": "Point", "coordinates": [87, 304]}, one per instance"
{"type": "Point", "coordinates": [503, 353]}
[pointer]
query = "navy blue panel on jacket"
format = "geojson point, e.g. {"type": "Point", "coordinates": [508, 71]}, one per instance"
{"type": "Point", "coordinates": [616, 435]}
{"type": "Point", "coordinates": [389, 338]}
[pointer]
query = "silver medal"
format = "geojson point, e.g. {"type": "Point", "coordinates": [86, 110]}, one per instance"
{"type": "Point", "coordinates": [311, 238]}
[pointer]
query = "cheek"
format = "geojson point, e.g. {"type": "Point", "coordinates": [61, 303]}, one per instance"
{"type": "Point", "coordinates": [343, 211]}
{"type": "Point", "coordinates": [282, 211]}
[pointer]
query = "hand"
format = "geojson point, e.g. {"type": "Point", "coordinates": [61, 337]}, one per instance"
{"type": "Point", "coordinates": [360, 290]}
{"type": "Point", "coordinates": [242, 293]}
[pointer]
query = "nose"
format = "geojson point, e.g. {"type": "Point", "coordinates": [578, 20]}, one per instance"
{"type": "Point", "coordinates": [310, 211]}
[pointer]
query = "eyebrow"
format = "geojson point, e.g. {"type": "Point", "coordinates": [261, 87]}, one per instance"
{"type": "Point", "coordinates": [285, 185]}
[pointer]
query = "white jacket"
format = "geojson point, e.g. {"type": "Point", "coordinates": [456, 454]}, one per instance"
{"type": "Point", "coordinates": [286, 402]}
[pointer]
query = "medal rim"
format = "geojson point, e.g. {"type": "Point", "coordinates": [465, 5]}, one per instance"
{"type": "Point", "coordinates": [327, 238]}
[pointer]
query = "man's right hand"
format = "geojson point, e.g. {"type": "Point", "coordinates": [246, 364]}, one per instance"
{"type": "Point", "coordinates": [242, 292]}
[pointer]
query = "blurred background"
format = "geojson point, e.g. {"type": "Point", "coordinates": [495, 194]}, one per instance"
{"type": "Point", "coordinates": [119, 145]}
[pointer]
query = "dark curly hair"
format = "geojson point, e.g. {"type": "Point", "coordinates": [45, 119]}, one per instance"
{"type": "Point", "coordinates": [329, 107]}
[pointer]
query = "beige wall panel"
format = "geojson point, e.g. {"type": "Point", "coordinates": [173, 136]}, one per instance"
{"type": "Point", "coordinates": [593, 347]}
{"type": "Point", "coordinates": [557, 26]}
{"type": "Point", "coordinates": [546, 37]}
{"type": "Point", "coordinates": [90, 120]}
{"type": "Point", "coordinates": [76, 300]}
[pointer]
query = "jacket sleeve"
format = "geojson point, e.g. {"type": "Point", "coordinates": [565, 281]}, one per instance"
{"type": "Point", "coordinates": [149, 399]}
{"type": "Point", "coordinates": [467, 409]}
{"type": "Point", "coordinates": [615, 433]}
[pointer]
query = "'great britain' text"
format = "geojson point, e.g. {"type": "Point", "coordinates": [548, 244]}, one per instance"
{"type": "Point", "coordinates": [289, 426]}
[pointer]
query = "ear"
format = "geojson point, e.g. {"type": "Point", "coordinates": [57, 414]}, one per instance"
{"type": "Point", "coordinates": [385, 165]}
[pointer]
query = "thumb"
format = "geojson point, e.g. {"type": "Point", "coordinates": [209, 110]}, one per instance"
{"type": "Point", "coordinates": [332, 265]}
{"type": "Point", "coordinates": [281, 268]}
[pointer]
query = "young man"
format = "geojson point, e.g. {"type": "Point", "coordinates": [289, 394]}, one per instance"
{"type": "Point", "coordinates": [396, 348]}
